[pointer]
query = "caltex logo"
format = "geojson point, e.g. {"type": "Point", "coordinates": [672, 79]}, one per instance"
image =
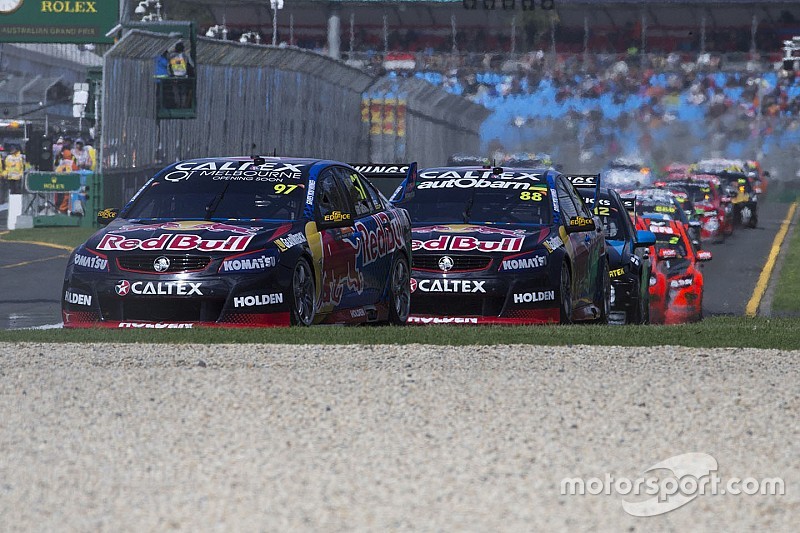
{"type": "Point", "coordinates": [123, 287]}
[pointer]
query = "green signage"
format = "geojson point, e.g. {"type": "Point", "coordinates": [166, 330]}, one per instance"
{"type": "Point", "coordinates": [57, 21]}
{"type": "Point", "coordinates": [53, 181]}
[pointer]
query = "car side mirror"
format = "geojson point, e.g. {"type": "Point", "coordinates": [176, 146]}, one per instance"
{"type": "Point", "coordinates": [578, 224]}
{"type": "Point", "coordinates": [704, 255]}
{"type": "Point", "coordinates": [106, 216]}
{"type": "Point", "coordinates": [336, 219]}
{"type": "Point", "coordinates": [644, 238]}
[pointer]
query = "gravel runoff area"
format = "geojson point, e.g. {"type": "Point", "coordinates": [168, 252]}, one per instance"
{"type": "Point", "coordinates": [118, 437]}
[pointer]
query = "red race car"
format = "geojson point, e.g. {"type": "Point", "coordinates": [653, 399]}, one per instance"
{"type": "Point", "coordinates": [676, 282]}
{"type": "Point", "coordinates": [712, 208]}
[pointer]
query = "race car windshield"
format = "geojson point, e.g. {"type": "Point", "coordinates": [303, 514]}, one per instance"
{"type": "Point", "coordinates": [478, 205]}
{"type": "Point", "coordinates": [697, 193]}
{"type": "Point", "coordinates": [203, 198]}
{"type": "Point", "coordinates": [671, 242]}
{"type": "Point", "coordinates": [612, 222]}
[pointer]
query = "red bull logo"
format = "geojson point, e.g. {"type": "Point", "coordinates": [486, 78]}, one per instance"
{"type": "Point", "coordinates": [465, 243]}
{"type": "Point", "coordinates": [177, 242]}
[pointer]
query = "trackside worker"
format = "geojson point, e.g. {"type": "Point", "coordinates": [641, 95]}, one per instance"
{"type": "Point", "coordinates": [15, 165]}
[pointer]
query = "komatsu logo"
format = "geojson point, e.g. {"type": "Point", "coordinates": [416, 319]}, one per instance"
{"type": "Point", "coordinates": [525, 263]}
{"type": "Point", "coordinates": [248, 264]}
{"type": "Point", "coordinates": [91, 262]}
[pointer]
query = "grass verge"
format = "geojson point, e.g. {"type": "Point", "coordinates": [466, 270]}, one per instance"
{"type": "Point", "coordinates": [69, 237]}
{"type": "Point", "coordinates": [787, 290]}
{"type": "Point", "coordinates": [740, 332]}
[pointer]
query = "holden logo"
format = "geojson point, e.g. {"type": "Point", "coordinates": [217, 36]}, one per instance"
{"type": "Point", "coordinates": [123, 287]}
{"type": "Point", "coordinates": [446, 263]}
{"type": "Point", "coordinates": [161, 264]}
{"type": "Point", "coordinates": [413, 284]}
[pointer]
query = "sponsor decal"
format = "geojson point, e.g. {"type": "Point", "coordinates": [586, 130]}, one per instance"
{"type": "Point", "coordinates": [680, 283]}
{"type": "Point", "coordinates": [442, 320]}
{"type": "Point", "coordinates": [524, 263]}
{"type": "Point", "coordinates": [580, 222]}
{"type": "Point", "coordinates": [635, 261]}
{"type": "Point", "coordinates": [535, 296]}
{"type": "Point", "coordinates": [190, 225]}
{"type": "Point", "coordinates": [175, 242]}
{"type": "Point", "coordinates": [177, 175]}
{"type": "Point", "coordinates": [446, 263]}
{"type": "Point", "coordinates": [465, 243]}
{"type": "Point", "coordinates": [413, 284]}
{"type": "Point", "coordinates": [469, 228]}
{"type": "Point", "coordinates": [162, 288]}
{"type": "Point", "coordinates": [665, 209]}
{"type": "Point", "coordinates": [486, 177]}
{"type": "Point", "coordinates": [358, 313]}
{"type": "Point", "coordinates": [156, 325]}
{"type": "Point", "coordinates": [257, 300]}
{"type": "Point", "coordinates": [244, 170]}
{"type": "Point", "coordinates": [91, 262]}
{"type": "Point", "coordinates": [107, 213]}
{"type": "Point", "coordinates": [381, 169]}
{"type": "Point", "coordinates": [383, 240]}
{"type": "Point", "coordinates": [553, 243]}
{"type": "Point", "coordinates": [293, 239]}
{"type": "Point", "coordinates": [250, 263]}
{"type": "Point", "coordinates": [75, 298]}
{"type": "Point", "coordinates": [336, 216]}
{"type": "Point", "coordinates": [583, 179]}
{"type": "Point", "coordinates": [666, 253]}
{"type": "Point", "coordinates": [312, 186]}
{"type": "Point", "coordinates": [554, 198]}
{"type": "Point", "coordinates": [662, 229]}
{"type": "Point", "coordinates": [450, 285]}
{"type": "Point", "coordinates": [473, 183]}
{"type": "Point", "coordinates": [617, 272]}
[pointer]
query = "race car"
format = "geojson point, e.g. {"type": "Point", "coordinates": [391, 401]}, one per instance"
{"type": "Point", "coordinates": [244, 241]}
{"type": "Point", "coordinates": [713, 210]}
{"type": "Point", "coordinates": [739, 184]}
{"type": "Point", "coordinates": [503, 246]}
{"type": "Point", "coordinates": [629, 264]}
{"type": "Point", "coordinates": [676, 282]}
{"type": "Point", "coordinates": [665, 203]}
{"type": "Point", "coordinates": [627, 173]}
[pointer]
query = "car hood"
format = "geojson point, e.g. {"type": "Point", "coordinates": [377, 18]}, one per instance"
{"type": "Point", "coordinates": [191, 236]}
{"type": "Point", "coordinates": [471, 238]}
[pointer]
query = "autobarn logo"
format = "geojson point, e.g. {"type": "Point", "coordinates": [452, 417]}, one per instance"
{"type": "Point", "coordinates": [160, 288]}
{"type": "Point", "coordinates": [465, 243]}
{"type": "Point", "coordinates": [449, 285]}
{"type": "Point", "coordinates": [91, 262]}
{"type": "Point", "coordinates": [478, 183]}
{"type": "Point", "coordinates": [75, 298]}
{"type": "Point", "coordinates": [524, 263]}
{"type": "Point", "coordinates": [175, 242]}
{"type": "Point", "coordinates": [293, 239]}
{"type": "Point", "coordinates": [380, 241]}
{"type": "Point", "coordinates": [534, 296]}
{"type": "Point", "coordinates": [243, 169]}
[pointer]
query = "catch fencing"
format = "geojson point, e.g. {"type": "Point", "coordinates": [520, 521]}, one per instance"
{"type": "Point", "coordinates": [262, 99]}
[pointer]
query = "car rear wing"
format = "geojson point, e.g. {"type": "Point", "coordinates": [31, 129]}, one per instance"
{"type": "Point", "coordinates": [629, 204]}
{"type": "Point", "coordinates": [395, 181]}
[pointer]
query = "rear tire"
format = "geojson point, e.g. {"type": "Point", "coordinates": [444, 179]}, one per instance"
{"type": "Point", "coordinates": [399, 291]}
{"type": "Point", "coordinates": [303, 292]}
{"type": "Point", "coordinates": [565, 291]}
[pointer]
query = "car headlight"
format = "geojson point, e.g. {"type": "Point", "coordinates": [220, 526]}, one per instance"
{"type": "Point", "coordinates": [653, 280]}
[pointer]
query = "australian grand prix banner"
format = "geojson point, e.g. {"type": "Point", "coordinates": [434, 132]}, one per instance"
{"type": "Point", "coordinates": [57, 21]}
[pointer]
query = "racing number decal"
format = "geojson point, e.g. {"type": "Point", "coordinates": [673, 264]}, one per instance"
{"type": "Point", "coordinates": [602, 211]}
{"type": "Point", "coordinates": [359, 186]}
{"type": "Point", "coordinates": [533, 196]}
{"type": "Point", "coordinates": [282, 188]}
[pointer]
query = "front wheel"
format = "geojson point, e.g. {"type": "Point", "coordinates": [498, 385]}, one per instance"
{"type": "Point", "coordinates": [303, 291]}
{"type": "Point", "coordinates": [566, 295]}
{"type": "Point", "coordinates": [399, 291]}
{"type": "Point", "coordinates": [604, 285]}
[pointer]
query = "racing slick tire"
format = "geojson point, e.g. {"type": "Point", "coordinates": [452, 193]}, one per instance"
{"type": "Point", "coordinates": [605, 295]}
{"type": "Point", "coordinates": [565, 295]}
{"type": "Point", "coordinates": [303, 292]}
{"type": "Point", "coordinates": [753, 218]}
{"type": "Point", "coordinates": [399, 291]}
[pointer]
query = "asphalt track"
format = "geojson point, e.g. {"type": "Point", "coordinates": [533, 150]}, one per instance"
{"type": "Point", "coordinates": [31, 275]}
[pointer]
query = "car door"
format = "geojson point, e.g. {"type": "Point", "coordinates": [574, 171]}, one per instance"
{"type": "Point", "coordinates": [374, 236]}
{"type": "Point", "coordinates": [338, 275]}
{"type": "Point", "coordinates": [580, 243]}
